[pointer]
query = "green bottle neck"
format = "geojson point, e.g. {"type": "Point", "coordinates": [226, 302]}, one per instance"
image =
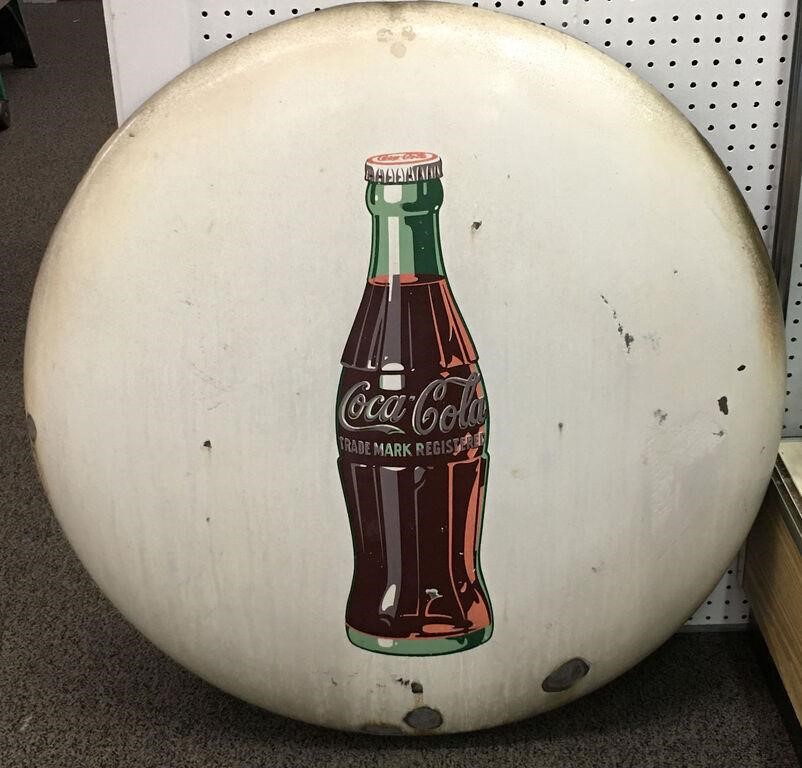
{"type": "Point", "coordinates": [406, 229]}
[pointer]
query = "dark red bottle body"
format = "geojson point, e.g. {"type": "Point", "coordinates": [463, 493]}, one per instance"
{"type": "Point", "coordinates": [412, 429]}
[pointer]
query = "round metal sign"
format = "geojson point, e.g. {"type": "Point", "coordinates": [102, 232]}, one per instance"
{"type": "Point", "coordinates": [282, 310]}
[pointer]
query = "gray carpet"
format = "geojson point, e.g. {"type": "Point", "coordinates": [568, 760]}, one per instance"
{"type": "Point", "coordinates": [79, 687]}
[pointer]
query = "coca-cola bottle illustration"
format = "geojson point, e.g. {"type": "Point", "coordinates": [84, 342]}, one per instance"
{"type": "Point", "coordinates": [412, 429]}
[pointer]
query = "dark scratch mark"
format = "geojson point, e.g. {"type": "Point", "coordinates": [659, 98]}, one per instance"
{"type": "Point", "coordinates": [560, 426]}
{"type": "Point", "coordinates": [628, 339]}
{"type": "Point", "coordinates": [207, 443]}
{"type": "Point", "coordinates": [720, 433]}
{"type": "Point", "coordinates": [476, 225]}
{"type": "Point", "coordinates": [741, 367]}
{"type": "Point", "coordinates": [660, 415]}
{"type": "Point", "coordinates": [416, 687]}
{"type": "Point", "coordinates": [615, 314]}
{"type": "Point", "coordinates": [722, 405]}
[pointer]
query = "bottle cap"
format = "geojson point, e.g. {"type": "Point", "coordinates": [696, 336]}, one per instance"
{"type": "Point", "coordinates": [403, 167]}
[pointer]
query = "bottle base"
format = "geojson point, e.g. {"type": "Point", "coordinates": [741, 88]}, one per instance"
{"type": "Point", "coordinates": [419, 646]}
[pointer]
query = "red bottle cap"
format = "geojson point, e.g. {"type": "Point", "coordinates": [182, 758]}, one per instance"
{"type": "Point", "coordinates": [403, 167]}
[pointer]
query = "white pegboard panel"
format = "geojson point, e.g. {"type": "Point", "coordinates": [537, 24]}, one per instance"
{"type": "Point", "coordinates": [726, 605]}
{"type": "Point", "coordinates": [792, 421]}
{"type": "Point", "coordinates": [724, 64]}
